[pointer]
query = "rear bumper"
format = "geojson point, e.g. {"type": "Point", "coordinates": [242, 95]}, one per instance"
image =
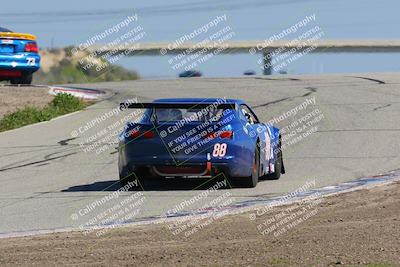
{"type": "Point", "coordinates": [229, 166]}
{"type": "Point", "coordinates": [22, 62]}
{"type": "Point", "coordinates": [216, 169]}
{"type": "Point", "coordinates": [10, 73]}
{"type": "Point", "coordinates": [236, 163]}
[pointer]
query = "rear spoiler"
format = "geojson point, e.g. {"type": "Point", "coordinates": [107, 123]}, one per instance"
{"type": "Point", "coordinates": [184, 105]}
{"type": "Point", "coordinates": [15, 35]}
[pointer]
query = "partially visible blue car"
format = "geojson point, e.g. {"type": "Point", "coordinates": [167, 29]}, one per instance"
{"type": "Point", "coordinates": [19, 56]}
{"type": "Point", "coordinates": [199, 137]}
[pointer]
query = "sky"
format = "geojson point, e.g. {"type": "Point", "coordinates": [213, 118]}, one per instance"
{"type": "Point", "coordinates": [62, 23]}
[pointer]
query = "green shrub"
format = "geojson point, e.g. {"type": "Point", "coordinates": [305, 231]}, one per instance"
{"type": "Point", "coordinates": [60, 105]}
{"type": "Point", "coordinates": [66, 103]}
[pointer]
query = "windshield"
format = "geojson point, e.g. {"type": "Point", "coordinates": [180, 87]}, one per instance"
{"type": "Point", "coordinates": [187, 115]}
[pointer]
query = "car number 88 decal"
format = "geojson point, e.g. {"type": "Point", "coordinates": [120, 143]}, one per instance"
{"type": "Point", "coordinates": [219, 150]}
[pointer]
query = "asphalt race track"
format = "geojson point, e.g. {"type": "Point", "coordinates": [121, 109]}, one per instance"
{"type": "Point", "coordinates": [46, 177]}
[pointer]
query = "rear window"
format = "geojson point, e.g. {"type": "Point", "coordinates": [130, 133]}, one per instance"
{"type": "Point", "coordinates": [4, 30]}
{"type": "Point", "coordinates": [187, 115]}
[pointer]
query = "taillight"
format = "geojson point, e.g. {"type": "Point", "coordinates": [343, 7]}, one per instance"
{"type": "Point", "coordinates": [148, 134]}
{"type": "Point", "coordinates": [226, 134]}
{"type": "Point", "coordinates": [222, 134]}
{"type": "Point", "coordinates": [211, 135]}
{"type": "Point", "coordinates": [31, 47]}
{"type": "Point", "coordinates": [135, 134]}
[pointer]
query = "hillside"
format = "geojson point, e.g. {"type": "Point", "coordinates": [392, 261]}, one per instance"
{"type": "Point", "coordinates": [61, 66]}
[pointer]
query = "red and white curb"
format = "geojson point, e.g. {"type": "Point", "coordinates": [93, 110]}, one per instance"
{"type": "Point", "coordinates": [85, 93]}
{"type": "Point", "coordinates": [89, 94]}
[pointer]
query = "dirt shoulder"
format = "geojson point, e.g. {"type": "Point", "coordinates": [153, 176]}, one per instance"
{"type": "Point", "coordinates": [13, 97]}
{"type": "Point", "coordinates": [360, 228]}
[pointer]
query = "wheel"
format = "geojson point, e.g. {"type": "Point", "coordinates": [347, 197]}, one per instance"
{"type": "Point", "coordinates": [278, 168]}
{"type": "Point", "coordinates": [14, 80]}
{"type": "Point", "coordinates": [126, 176]}
{"type": "Point", "coordinates": [252, 180]}
{"type": "Point", "coordinates": [26, 78]}
{"type": "Point", "coordinates": [137, 177]}
{"type": "Point", "coordinates": [124, 179]}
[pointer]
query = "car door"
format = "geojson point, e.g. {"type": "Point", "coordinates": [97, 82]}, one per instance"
{"type": "Point", "coordinates": [263, 132]}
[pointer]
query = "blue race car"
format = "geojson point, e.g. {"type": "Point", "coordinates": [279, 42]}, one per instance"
{"type": "Point", "coordinates": [199, 137]}
{"type": "Point", "coordinates": [19, 57]}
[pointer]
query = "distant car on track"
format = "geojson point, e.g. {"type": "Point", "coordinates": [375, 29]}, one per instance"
{"type": "Point", "coordinates": [199, 137]}
{"type": "Point", "coordinates": [249, 72]}
{"type": "Point", "coordinates": [190, 73]}
{"type": "Point", "coordinates": [19, 56]}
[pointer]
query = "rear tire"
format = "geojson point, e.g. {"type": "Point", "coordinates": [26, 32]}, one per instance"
{"type": "Point", "coordinates": [252, 180]}
{"type": "Point", "coordinates": [14, 81]}
{"type": "Point", "coordinates": [126, 176]}
{"type": "Point", "coordinates": [26, 78]}
{"type": "Point", "coordinates": [124, 179]}
{"type": "Point", "coordinates": [278, 168]}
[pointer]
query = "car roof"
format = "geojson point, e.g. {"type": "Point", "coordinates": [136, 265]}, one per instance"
{"type": "Point", "coordinates": [198, 100]}
{"type": "Point", "coordinates": [4, 30]}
